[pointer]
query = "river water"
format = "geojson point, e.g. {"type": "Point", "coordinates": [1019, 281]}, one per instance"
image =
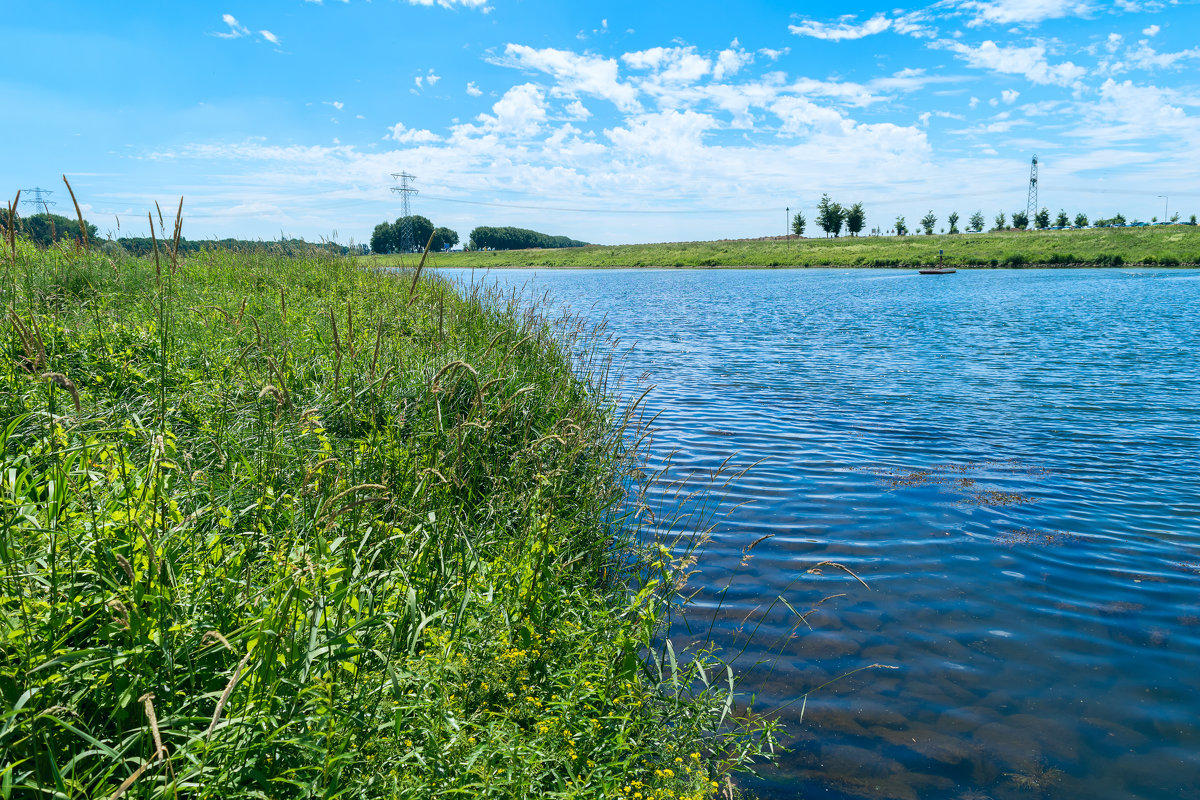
{"type": "Point", "coordinates": [1010, 463]}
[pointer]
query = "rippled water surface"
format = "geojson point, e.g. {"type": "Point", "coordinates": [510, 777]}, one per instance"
{"type": "Point", "coordinates": [1009, 460]}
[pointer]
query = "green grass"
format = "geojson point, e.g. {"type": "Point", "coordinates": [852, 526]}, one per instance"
{"type": "Point", "coordinates": [1159, 246]}
{"type": "Point", "coordinates": [269, 527]}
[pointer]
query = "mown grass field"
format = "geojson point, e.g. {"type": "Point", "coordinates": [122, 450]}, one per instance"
{"type": "Point", "coordinates": [288, 528]}
{"type": "Point", "coordinates": [1157, 246]}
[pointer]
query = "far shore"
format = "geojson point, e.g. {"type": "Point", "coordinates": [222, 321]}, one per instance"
{"type": "Point", "coordinates": [1153, 246]}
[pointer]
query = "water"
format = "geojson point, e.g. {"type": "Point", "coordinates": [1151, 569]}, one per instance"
{"type": "Point", "coordinates": [1007, 459]}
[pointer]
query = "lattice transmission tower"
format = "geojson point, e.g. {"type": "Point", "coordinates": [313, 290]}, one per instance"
{"type": "Point", "coordinates": [38, 200]}
{"type": "Point", "coordinates": [407, 240]}
{"type": "Point", "coordinates": [1031, 202]}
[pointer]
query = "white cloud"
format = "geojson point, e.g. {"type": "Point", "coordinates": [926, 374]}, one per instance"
{"type": "Point", "coordinates": [774, 55]}
{"type": "Point", "coordinates": [473, 90]}
{"type": "Point", "coordinates": [480, 4]}
{"type": "Point", "coordinates": [520, 112]}
{"type": "Point", "coordinates": [432, 78]}
{"type": "Point", "coordinates": [670, 64]}
{"type": "Point", "coordinates": [400, 133]}
{"type": "Point", "coordinates": [730, 61]}
{"type": "Point", "coordinates": [1010, 96]}
{"type": "Point", "coordinates": [270, 37]}
{"type": "Point", "coordinates": [1028, 61]}
{"type": "Point", "coordinates": [1146, 57]}
{"type": "Point", "coordinates": [1008, 12]}
{"type": "Point", "coordinates": [339, 105]}
{"type": "Point", "coordinates": [668, 135]}
{"type": "Point", "coordinates": [1151, 31]}
{"type": "Point", "coordinates": [973, 102]}
{"type": "Point", "coordinates": [576, 110]}
{"type": "Point", "coordinates": [843, 30]}
{"type": "Point", "coordinates": [575, 72]}
{"type": "Point", "coordinates": [236, 29]}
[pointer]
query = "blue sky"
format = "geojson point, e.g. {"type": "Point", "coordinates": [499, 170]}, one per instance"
{"type": "Point", "coordinates": [611, 122]}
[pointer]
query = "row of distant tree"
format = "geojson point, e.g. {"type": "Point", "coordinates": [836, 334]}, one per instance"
{"type": "Point", "coordinates": [832, 216]}
{"type": "Point", "coordinates": [46, 229]}
{"type": "Point", "coordinates": [389, 237]}
{"type": "Point", "coordinates": [1042, 220]}
{"type": "Point", "coordinates": [489, 238]}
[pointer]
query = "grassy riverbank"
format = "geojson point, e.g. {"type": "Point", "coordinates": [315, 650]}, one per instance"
{"type": "Point", "coordinates": [1159, 246]}
{"type": "Point", "coordinates": [274, 528]}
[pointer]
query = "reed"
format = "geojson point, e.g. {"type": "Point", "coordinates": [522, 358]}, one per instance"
{"type": "Point", "coordinates": [244, 566]}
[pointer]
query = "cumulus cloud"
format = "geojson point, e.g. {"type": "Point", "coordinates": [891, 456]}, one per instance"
{"type": "Point", "coordinates": [270, 37]}
{"type": "Point", "coordinates": [473, 90]}
{"type": "Point", "coordinates": [1028, 61]}
{"type": "Point", "coordinates": [840, 31]}
{"type": "Point", "coordinates": [576, 73]}
{"type": "Point", "coordinates": [236, 29]}
{"type": "Point", "coordinates": [404, 135]}
{"type": "Point", "coordinates": [480, 4]}
{"type": "Point", "coordinates": [1146, 57]}
{"type": "Point", "coordinates": [666, 135]}
{"type": "Point", "coordinates": [520, 112]}
{"type": "Point", "coordinates": [670, 64]}
{"type": "Point", "coordinates": [576, 110]}
{"type": "Point", "coordinates": [1010, 96]}
{"type": "Point", "coordinates": [1008, 12]}
{"type": "Point", "coordinates": [730, 61]}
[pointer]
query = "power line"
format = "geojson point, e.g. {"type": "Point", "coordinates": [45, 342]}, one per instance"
{"type": "Point", "coordinates": [602, 210]}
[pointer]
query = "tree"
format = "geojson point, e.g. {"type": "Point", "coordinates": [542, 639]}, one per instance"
{"type": "Point", "coordinates": [855, 219]}
{"type": "Point", "coordinates": [1020, 220]}
{"type": "Point", "coordinates": [953, 220]}
{"type": "Point", "coordinates": [1175, 217]}
{"type": "Point", "coordinates": [389, 238]}
{"type": "Point", "coordinates": [1062, 220]}
{"type": "Point", "coordinates": [798, 223]}
{"type": "Point", "coordinates": [830, 216]}
{"type": "Point", "coordinates": [381, 239]}
{"type": "Point", "coordinates": [1192, 221]}
{"type": "Point", "coordinates": [1001, 222]}
{"type": "Point", "coordinates": [1081, 220]}
{"type": "Point", "coordinates": [443, 239]}
{"type": "Point", "coordinates": [1041, 220]}
{"type": "Point", "coordinates": [44, 229]}
{"type": "Point", "coordinates": [901, 227]}
{"type": "Point", "coordinates": [977, 221]}
{"type": "Point", "coordinates": [928, 221]}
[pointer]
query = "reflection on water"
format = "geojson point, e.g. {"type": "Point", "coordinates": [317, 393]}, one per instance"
{"type": "Point", "coordinates": [1007, 459]}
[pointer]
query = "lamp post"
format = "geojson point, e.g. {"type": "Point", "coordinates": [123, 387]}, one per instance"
{"type": "Point", "coordinates": [1165, 200]}
{"type": "Point", "coordinates": [787, 225]}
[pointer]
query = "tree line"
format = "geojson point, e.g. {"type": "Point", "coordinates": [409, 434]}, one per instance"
{"type": "Point", "coordinates": [388, 237]}
{"type": "Point", "coordinates": [46, 229]}
{"type": "Point", "coordinates": [1042, 220]}
{"type": "Point", "coordinates": [489, 238]}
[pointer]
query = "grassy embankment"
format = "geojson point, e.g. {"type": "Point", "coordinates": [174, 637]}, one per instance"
{"type": "Point", "coordinates": [270, 529]}
{"type": "Point", "coordinates": [1160, 246]}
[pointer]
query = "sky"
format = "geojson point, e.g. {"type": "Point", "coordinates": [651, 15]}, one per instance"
{"type": "Point", "coordinates": [612, 122]}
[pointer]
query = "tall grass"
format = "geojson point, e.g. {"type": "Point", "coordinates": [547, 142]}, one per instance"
{"type": "Point", "coordinates": [278, 527]}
